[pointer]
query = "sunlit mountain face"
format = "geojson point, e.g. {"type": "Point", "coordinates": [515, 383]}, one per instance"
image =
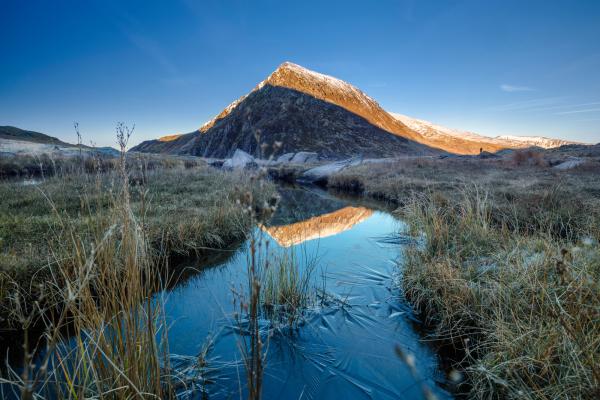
{"type": "Point", "coordinates": [317, 227]}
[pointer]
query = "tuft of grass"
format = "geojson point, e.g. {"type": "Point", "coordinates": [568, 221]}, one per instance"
{"type": "Point", "coordinates": [287, 287]}
{"type": "Point", "coordinates": [279, 289]}
{"type": "Point", "coordinates": [519, 296]}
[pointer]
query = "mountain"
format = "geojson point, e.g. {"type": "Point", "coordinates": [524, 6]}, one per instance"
{"type": "Point", "coordinates": [296, 109]}
{"type": "Point", "coordinates": [15, 141]}
{"type": "Point", "coordinates": [537, 141]}
{"type": "Point", "coordinates": [440, 133]}
{"type": "Point", "coordinates": [13, 133]}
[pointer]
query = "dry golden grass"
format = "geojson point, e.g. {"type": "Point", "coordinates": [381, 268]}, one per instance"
{"type": "Point", "coordinates": [97, 291]}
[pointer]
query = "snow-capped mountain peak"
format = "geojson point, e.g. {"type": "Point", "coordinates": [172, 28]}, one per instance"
{"type": "Point", "coordinates": [326, 88]}
{"type": "Point", "coordinates": [306, 110]}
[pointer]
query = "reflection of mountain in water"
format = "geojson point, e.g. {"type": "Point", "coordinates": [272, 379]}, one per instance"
{"type": "Point", "coordinates": [317, 227]}
{"type": "Point", "coordinates": [301, 203]}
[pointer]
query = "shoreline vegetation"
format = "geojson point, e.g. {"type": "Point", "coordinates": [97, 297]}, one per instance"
{"type": "Point", "coordinates": [508, 275]}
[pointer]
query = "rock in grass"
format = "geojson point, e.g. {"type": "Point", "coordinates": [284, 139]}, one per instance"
{"type": "Point", "coordinates": [304, 156]}
{"type": "Point", "coordinates": [569, 164]}
{"type": "Point", "coordinates": [321, 173]}
{"type": "Point", "coordinates": [285, 157]}
{"type": "Point", "coordinates": [239, 160]}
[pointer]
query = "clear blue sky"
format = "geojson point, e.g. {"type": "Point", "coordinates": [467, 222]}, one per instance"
{"type": "Point", "coordinates": [493, 67]}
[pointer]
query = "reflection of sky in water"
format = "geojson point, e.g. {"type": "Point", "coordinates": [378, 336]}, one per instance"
{"type": "Point", "coordinates": [342, 351]}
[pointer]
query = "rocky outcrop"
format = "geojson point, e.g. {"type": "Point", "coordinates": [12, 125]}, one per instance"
{"type": "Point", "coordinates": [569, 164]}
{"type": "Point", "coordinates": [284, 158]}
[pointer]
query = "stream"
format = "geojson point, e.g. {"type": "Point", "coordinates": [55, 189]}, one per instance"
{"type": "Point", "coordinates": [344, 348]}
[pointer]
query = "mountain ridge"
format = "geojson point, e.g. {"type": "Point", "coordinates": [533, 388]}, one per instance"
{"type": "Point", "coordinates": [510, 141]}
{"type": "Point", "coordinates": [14, 133]}
{"type": "Point", "coordinates": [15, 141]}
{"type": "Point", "coordinates": [300, 92]}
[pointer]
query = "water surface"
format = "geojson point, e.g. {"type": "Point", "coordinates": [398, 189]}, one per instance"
{"type": "Point", "coordinates": [345, 346]}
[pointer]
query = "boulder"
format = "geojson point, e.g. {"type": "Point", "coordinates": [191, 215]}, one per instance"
{"type": "Point", "coordinates": [304, 156]}
{"type": "Point", "coordinates": [321, 173]}
{"type": "Point", "coordinates": [569, 164]}
{"type": "Point", "coordinates": [239, 160]}
{"type": "Point", "coordinates": [285, 157]}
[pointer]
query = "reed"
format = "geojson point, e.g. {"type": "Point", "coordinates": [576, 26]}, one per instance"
{"type": "Point", "coordinates": [104, 334]}
{"type": "Point", "coordinates": [288, 287]}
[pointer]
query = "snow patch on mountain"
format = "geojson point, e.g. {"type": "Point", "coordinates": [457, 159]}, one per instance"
{"type": "Point", "coordinates": [319, 80]}
{"type": "Point", "coordinates": [324, 87]}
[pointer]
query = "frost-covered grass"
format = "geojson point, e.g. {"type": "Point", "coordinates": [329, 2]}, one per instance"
{"type": "Point", "coordinates": [523, 304]}
{"type": "Point", "coordinates": [97, 284]}
{"type": "Point", "coordinates": [83, 255]}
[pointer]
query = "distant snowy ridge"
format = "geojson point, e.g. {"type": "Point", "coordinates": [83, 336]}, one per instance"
{"type": "Point", "coordinates": [539, 141]}
{"type": "Point", "coordinates": [429, 129]}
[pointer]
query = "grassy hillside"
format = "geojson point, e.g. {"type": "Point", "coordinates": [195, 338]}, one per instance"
{"type": "Point", "coordinates": [13, 133]}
